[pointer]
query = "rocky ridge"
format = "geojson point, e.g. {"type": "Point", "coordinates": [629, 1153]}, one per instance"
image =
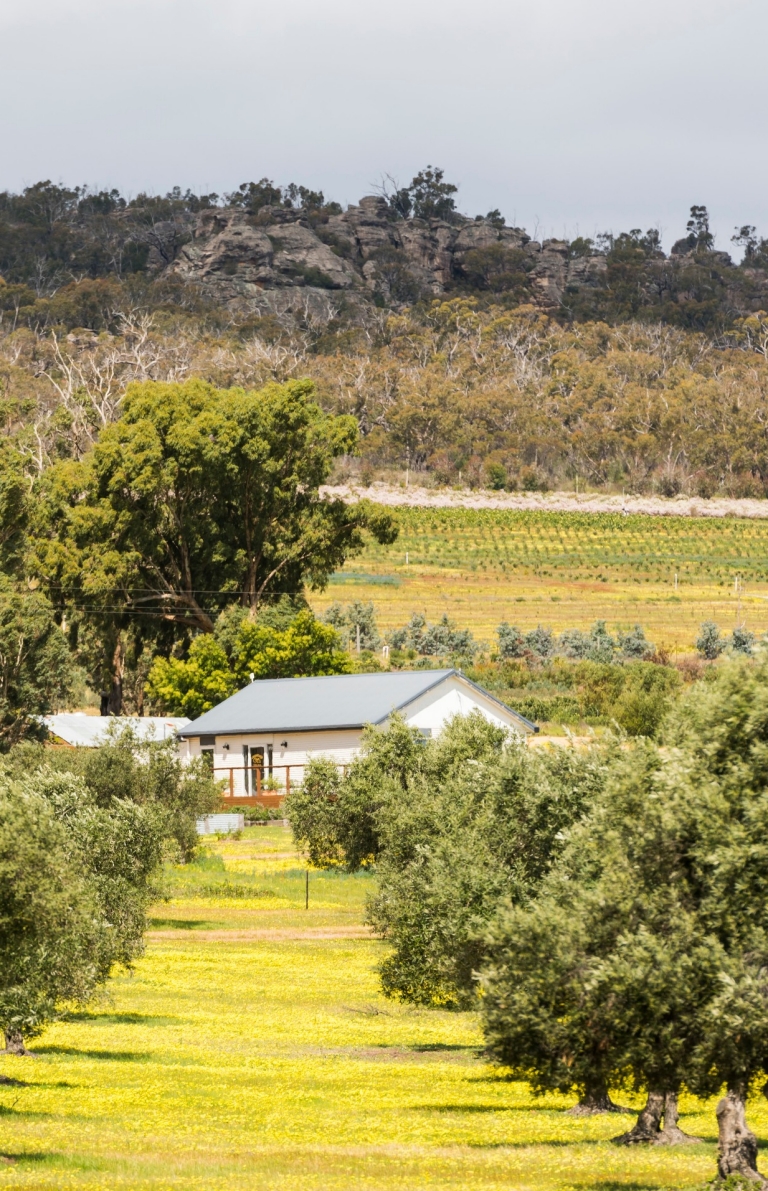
{"type": "Point", "coordinates": [282, 260]}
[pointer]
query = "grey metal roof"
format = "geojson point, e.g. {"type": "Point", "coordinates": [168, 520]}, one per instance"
{"type": "Point", "coordinates": [76, 728]}
{"type": "Point", "coordinates": [317, 704]}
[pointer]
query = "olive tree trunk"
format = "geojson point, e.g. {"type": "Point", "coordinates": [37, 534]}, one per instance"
{"type": "Point", "coordinates": [14, 1043]}
{"type": "Point", "coordinates": [672, 1134]}
{"type": "Point", "coordinates": [648, 1124]}
{"type": "Point", "coordinates": [594, 1100]}
{"type": "Point", "coordinates": [648, 1127]}
{"type": "Point", "coordinates": [737, 1144]}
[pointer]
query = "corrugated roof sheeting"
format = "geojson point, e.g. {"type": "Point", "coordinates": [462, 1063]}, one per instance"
{"type": "Point", "coordinates": [322, 704]}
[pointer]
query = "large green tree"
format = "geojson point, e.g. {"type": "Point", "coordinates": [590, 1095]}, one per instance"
{"type": "Point", "coordinates": [36, 670]}
{"type": "Point", "coordinates": [220, 664]}
{"type": "Point", "coordinates": [196, 498]}
{"type": "Point", "coordinates": [35, 664]}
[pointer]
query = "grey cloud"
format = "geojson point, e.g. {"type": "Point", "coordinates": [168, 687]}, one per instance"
{"type": "Point", "coordinates": [578, 112]}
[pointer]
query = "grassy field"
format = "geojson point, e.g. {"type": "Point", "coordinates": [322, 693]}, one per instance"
{"type": "Point", "coordinates": [565, 570]}
{"type": "Point", "coordinates": [251, 1048]}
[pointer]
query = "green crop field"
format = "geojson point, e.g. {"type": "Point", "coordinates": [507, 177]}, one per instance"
{"type": "Point", "coordinates": [565, 570]}
{"type": "Point", "coordinates": [252, 1048]}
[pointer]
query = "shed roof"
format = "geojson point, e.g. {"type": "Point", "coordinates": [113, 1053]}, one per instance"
{"type": "Point", "coordinates": [322, 704]}
{"type": "Point", "coordinates": [79, 729]}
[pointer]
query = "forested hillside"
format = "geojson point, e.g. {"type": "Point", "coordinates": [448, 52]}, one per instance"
{"type": "Point", "coordinates": [468, 351]}
{"type": "Point", "coordinates": [464, 394]}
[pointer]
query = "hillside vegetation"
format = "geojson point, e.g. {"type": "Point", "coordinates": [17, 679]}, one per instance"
{"type": "Point", "coordinates": [467, 350]}
{"type": "Point", "coordinates": [463, 393]}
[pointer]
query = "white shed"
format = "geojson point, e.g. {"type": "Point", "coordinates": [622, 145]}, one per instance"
{"type": "Point", "coordinates": [272, 727]}
{"type": "Point", "coordinates": [80, 730]}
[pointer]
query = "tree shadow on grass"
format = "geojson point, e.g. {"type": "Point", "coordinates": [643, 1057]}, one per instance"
{"type": "Point", "coordinates": [13, 1156]}
{"type": "Point", "coordinates": [120, 1019]}
{"type": "Point", "coordinates": [617, 1185]}
{"type": "Point", "coordinates": [14, 1113]}
{"type": "Point", "coordinates": [532, 1145]}
{"type": "Point", "coordinates": [472, 1109]}
{"type": "Point", "coordinates": [110, 1056]}
{"type": "Point", "coordinates": [437, 1051]}
{"type": "Point", "coordinates": [181, 924]}
{"type": "Point", "coordinates": [437, 1047]}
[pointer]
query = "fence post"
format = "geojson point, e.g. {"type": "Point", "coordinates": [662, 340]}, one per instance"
{"type": "Point", "coordinates": [287, 780]}
{"type": "Point", "coordinates": [231, 782]}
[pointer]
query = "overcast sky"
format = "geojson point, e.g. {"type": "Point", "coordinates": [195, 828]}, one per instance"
{"type": "Point", "coordinates": [569, 115]}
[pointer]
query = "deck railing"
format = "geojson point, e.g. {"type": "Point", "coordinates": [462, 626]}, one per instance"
{"type": "Point", "coordinates": [257, 782]}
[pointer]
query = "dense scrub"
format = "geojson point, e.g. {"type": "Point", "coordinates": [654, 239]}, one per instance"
{"type": "Point", "coordinates": [459, 392]}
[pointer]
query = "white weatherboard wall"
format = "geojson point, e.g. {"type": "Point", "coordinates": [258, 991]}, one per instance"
{"type": "Point", "coordinates": [430, 711]}
{"type": "Point", "coordinates": [340, 745]}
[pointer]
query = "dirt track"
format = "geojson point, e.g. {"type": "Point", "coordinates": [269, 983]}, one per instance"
{"type": "Point", "coordinates": [278, 935]}
{"type": "Point", "coordinates": [553, 502]}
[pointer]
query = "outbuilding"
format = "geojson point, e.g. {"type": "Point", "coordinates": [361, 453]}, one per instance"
{"type": "Point", "coordinates": [271, 728]}
{"type": "Point", "coordinates": [79, 730]}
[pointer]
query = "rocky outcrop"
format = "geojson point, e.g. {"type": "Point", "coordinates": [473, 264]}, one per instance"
{"type": "Point", "coordinates": [318, 264]}
{"type": "Point", "coordinates": [279, 259]}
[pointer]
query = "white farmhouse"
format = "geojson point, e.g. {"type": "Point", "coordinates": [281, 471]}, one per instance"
{"type": "Point", "coordinates": [270, 729]}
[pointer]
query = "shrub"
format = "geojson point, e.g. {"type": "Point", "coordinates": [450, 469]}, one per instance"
{"type": "Point", "coordinates": [709, 643]}
{"type": "Point", "coordinates": [635, 644]}
{"type": "Point", "coordinates": [434, 640]}
{"type": "Point", "coordinates": [496, 476]}
{"type": "Point", "coordinates": [742, 640]}
{"type": "Point", "coordinates": [597, 645]}
{"type": "Point", "coordinates": [540, 642]}
{"type": "Point", "coordinates": [559, 709]}
{"type": "Point", "coordinates": [511, 641]}
{"type": "Point", "coordinates": [646, 698]}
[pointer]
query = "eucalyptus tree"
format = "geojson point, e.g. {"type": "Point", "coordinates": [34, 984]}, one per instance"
{"type": "Point", "coordinates": [197, 498]}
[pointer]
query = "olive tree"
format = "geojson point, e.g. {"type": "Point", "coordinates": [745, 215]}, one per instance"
{"type": "Point", "coordinates": [53, 941]}
{"type": "Point", "coordinates": [453, 824]}
{"type": "Point", "coordinates": [644, 954]}
{"type": "Point", "coordinates": [76, 879]}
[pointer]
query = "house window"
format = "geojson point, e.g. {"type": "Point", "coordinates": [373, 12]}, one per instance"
{"type": "Point", "coordinates": [207, 744]}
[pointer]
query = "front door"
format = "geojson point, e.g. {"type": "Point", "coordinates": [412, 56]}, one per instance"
{"type": "Point", "coordinates": [253, 769]}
